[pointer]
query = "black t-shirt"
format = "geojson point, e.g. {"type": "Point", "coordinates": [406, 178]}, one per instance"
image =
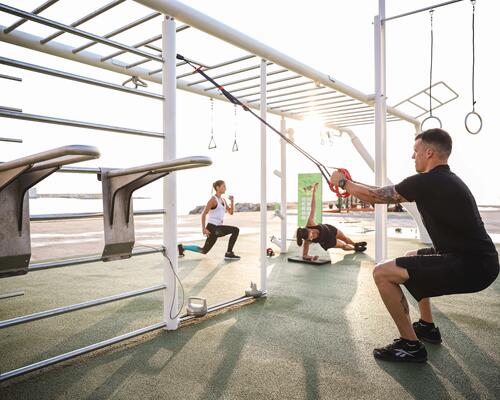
{"type": "Point", "coordinates": [327, 237]}
{"type": "Point", "coordinates": [449, 212]}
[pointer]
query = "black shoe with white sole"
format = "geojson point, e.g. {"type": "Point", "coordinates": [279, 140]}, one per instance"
{"type": "Point", "coordinates": [231, 256]}
{"type": "Point", "coordinates": [359, 247]}
{"type": "Point", "coordinates": [427, 331]}
{"type": "Point", "coordinates": [180, 247]}
{"type": "Point", "coordinates": [401, 350]}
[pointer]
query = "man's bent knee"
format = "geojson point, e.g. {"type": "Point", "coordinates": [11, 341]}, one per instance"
{"type": "Point", "coordinates": [388, 271]}
{"type": "Point", "coordinates": [379, 273]}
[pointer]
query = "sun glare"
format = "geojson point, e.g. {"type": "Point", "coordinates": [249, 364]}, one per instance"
{"type": "Point", "coordinates": [313, 125]}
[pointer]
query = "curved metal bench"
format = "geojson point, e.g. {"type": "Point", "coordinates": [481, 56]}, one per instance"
{"type": "Point", "coordinates": [16, 178]}
{"type": "Point", "coordinates": [118, 185]}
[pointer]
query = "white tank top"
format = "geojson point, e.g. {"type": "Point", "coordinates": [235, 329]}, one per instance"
{"type": "Point", "coordinates": [216, 215]}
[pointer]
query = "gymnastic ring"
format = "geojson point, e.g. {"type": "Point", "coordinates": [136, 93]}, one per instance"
{"type": "Point", "coordinates": [427, 119]}
{"type": "Point", "coordinates": [480, 123]}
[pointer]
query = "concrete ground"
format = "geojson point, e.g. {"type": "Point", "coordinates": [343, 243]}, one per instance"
{"type": "Point", "coordinates": [311, 338]}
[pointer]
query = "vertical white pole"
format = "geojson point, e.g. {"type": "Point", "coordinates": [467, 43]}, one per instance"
{"type": "Point", "coordinates": [169, 84]}
{"type": "Point", "coordinates": [283, 188]}
{"type": "Point", "coordinates": [263, 177]}
{"type": "Point", "coordinates": [380, 133]}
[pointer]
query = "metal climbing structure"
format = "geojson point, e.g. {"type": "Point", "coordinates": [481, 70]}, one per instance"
{"type": "Point", "coordinates": [263, 78]}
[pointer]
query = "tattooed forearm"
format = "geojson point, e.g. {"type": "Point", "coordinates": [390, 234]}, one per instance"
{"type": "Point", "coordinates": [386, 195]}
{"type": "Point", "coordinates": [367, 186]}
{"type": "Point", "coordinates": [404, 303]}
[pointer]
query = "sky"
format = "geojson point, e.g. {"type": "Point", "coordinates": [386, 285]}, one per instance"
{"type": "Point", "coordinates": [335, 37]}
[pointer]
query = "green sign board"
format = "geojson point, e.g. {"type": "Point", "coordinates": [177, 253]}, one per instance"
{"type": "Point", "coordinates": [306, 183]}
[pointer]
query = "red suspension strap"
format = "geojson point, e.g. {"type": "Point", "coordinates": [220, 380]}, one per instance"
{"type": "Point", "coordinates": [335, 189]}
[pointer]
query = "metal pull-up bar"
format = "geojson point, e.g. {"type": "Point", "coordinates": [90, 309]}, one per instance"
{"type": "Point", "coordinates": [13, 140]}
{"type": "Point", "coordinates": [420, 10]}
{"type": "Point", "coordinates": [69, 29]}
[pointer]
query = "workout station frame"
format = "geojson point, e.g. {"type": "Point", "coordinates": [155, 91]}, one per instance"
{"type": "Point", "coordinates": [275, 83]}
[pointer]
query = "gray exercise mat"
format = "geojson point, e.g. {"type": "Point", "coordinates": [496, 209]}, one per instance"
{"type": "Point", "coordinates": [299, 259]}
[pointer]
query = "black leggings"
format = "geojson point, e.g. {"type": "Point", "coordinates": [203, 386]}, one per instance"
{"type": "Point", "coordinates": [217, 231]}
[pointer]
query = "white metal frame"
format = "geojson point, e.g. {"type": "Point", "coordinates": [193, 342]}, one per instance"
{"type": "Point", "coordinates": [170, 303]}
{"type": "Point", "coordinates": [380, 133]}
{"type": "Point", "coordinates": [381, 111]}
{"type": "Point", "coordinates": [283, 175]}
{"type": "Point", "coordinates": [263, 177]}
{"type": "Point", "coordinates": [296, 107]}
{"type": "Point", "coordinates": [349, 108]}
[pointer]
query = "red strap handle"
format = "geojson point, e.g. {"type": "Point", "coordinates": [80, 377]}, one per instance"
{"type": "Point", "coordinates": [335, 189]}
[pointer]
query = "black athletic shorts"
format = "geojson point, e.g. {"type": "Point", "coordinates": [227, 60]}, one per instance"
{"type": "Point", "coordinates": [433, 274]}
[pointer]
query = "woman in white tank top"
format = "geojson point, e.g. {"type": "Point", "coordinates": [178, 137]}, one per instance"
{"type": "Point", "coordinates": [216, 215]}
{"type": "Point", "coordinates": [214, 227]}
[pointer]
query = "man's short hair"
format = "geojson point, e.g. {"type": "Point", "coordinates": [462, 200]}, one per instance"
{"type": "Point", "coordinates": [439, 139]}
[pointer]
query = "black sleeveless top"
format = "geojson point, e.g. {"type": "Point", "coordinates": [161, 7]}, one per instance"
{"type": "Point", "coordinates": [327, 235]}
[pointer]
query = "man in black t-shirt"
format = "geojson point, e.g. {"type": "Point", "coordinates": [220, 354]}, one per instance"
{"type": "Point", "coordinates": [463, 259]}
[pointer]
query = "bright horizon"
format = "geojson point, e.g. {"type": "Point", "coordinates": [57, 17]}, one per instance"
{"type": "Point", "coordinates": [335, 37]}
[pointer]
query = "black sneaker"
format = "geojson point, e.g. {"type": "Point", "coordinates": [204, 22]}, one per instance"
{"type": "Point", "coordinates": [181, 250]}
{"type": "Point", "coordinates": [359, 247]}
{"type": "Point", "coordinates": [231, 256]}
{"type": "Point", "coordinates": [401, 351]}
{"type": "Point", "coordinates": [427, 333]}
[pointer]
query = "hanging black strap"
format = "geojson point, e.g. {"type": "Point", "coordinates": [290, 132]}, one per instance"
{"type": "Point", "coordinates": [235, 144]}
{"type": "Point", "coordinates": [431, 12]}
{"type": "Point", "coordinates": [212, 144]}
{"type": "Point", "coordinates": [473, 55]}
{"type": "Point", "coordinates": [431, 116]}
{"type": "Point", "coordinates": [234, 100]}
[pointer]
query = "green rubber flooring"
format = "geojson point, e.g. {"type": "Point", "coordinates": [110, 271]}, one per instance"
{"type": "Point", "coordinates": [311, 338]}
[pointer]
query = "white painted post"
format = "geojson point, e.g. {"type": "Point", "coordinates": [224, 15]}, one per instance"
{"type": "Point", "coordinates": [263, 177]}
{"type": "Point", "coordinates": [283, 207]}
{"type": "Point", "coordinates": [380, 133]}
{"type": "Point", "coordinates": [170, 302]}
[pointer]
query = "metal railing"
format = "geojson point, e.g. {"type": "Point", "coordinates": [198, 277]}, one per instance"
{"type": "Point", "coordinates": [96, 346]}
{"type": "Point", "coordinates": [77, 32]}
{"type": "Point", "coordinates": [77, 78]}
{"type": "Point", "coordinates": [77, 124]}
{"type": "Point", "coordinates": [17, 114]}
{"type": "Point", "coordinates": [82, 260]}
{"type": "Point", "coordinates": [75, 307]}
{"type": "Point", "coordinates": [87, 215]}
{"type": "Point", "coordinates": [13, 140]}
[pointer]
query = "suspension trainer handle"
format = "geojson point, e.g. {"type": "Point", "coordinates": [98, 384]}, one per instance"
{"type": "Point", "coordinates": [337, 190]}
